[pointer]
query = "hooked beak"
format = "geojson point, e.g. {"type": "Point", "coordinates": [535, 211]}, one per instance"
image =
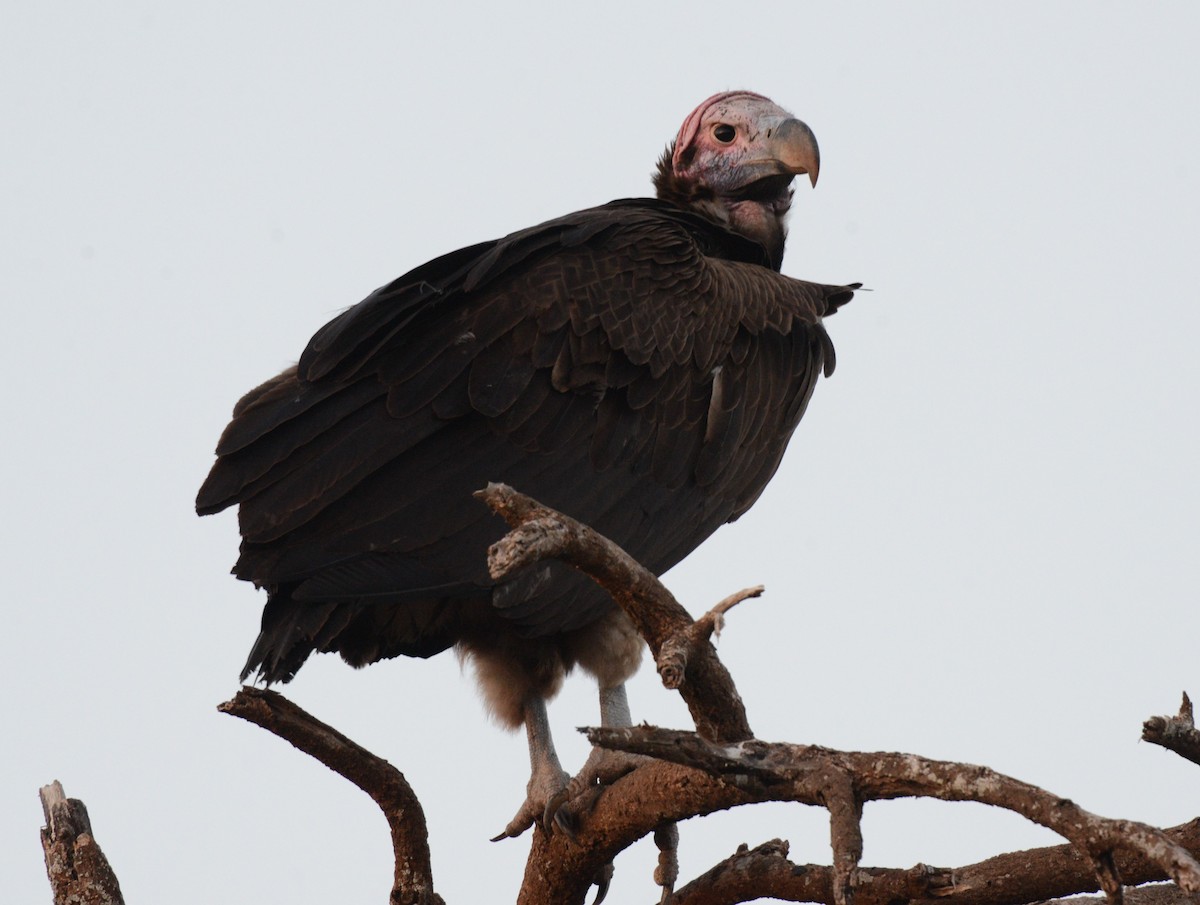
{"type": "Point", "coordinates": [786, 145]}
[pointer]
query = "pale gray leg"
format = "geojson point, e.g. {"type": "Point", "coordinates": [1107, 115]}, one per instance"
{"type": "Point", "coordinates": [547, 777]}
{"type": "Point", "coordinates": [543, 759]}
{"type": "Point", "coordinates": [614, 707]}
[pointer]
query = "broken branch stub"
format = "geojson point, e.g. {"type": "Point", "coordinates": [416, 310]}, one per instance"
{"type": "Point", "coordinates": [672, 658]}
{"type": "Point", "coordinates": [78, 871]}
{"type": "Point", "coordinates": [1176, 733]}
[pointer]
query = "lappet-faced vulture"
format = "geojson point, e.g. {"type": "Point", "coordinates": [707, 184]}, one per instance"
{"type": "Point", "coordinates": [640, 366]}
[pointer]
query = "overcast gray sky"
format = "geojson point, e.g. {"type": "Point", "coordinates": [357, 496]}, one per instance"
{"type": "Point", "coordinates": [981, 545]}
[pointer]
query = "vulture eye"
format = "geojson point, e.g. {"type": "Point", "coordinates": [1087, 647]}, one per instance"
{"type": "Point", "coordinates": [724, 133]}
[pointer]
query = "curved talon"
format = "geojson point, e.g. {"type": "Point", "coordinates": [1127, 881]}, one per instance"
{"type": "Point", "coordinates": [567, 819]}
{"type": "Point", "coordinates": [523, 820]}
{"type": "Point", "coordinates": [551, 813]}
{"type": "Point", "coordinates": [515, 828]}
{"type": "Point", "coordinates": [567, 823]}
{"type": "Point", "coordinates": [602, 881]}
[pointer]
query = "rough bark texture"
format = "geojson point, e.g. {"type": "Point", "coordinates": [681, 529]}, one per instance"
{"type": "Point", "coordinates": [78, 871]}
{"type": "Point", "coordinates": [1178, 733]}
{"type": "Point", "coordinates": [1020, 877]}
{"type": "Point", "coordinates": [413, 880]}
{"type": "Point", "coordinates": [1015, 878]}
{"type": "Point", "coordinates": [1158, 894]}
{"type": "Point", "coordinates": [765, 870]}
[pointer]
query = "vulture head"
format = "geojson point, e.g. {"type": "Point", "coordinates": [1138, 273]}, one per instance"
{"type": "Point", "coordinates": [734, 160]}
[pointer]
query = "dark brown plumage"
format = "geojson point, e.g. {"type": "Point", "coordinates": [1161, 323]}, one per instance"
{"type": "Point", "coordinates": [640, 366]}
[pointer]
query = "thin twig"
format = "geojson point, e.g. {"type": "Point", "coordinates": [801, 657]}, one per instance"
{"type": "Point", "coordinates": [713, 621]}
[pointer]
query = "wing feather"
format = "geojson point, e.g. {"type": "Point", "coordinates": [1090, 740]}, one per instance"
{"type": "Point", "coordinates": [499, 375]}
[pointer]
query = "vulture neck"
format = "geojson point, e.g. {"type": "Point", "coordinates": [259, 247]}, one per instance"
{"type": "Point", "coordinates": [762, 220]}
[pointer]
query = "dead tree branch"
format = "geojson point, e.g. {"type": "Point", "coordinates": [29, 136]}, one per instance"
{"type": "Point", "coordinates": [78, 871]}
{"type": "Point", "coordinates": [766, 871]}
{"type": "Point", "coordinates": [1015, 878]}
{"type": "Point", "coordinates": [842, 781]}
{"type": "Point", "coordinates": [1178, 733]}
{"type": "Point", "coordinates": [1059, 870]}
{"type": "Point", "coordinates": [413, 881]}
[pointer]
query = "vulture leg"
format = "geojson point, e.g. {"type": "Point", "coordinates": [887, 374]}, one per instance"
{"type": "Point", "coordinates": [614, 707]}
{"type": "Point", "coordinates": [547, 777]}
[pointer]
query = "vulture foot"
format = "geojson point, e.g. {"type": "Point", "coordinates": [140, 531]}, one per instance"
{"type": "Point", "coordinates": [547, 811]}
{"type": "Point", "coordinates": [545, 785]}
{"type": "Point", "coordinates": [566, 809]}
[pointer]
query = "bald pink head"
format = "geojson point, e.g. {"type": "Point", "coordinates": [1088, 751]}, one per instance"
{"type": "Point", "coordinates": [734, 160]}
{"type": "Point", "coordinates": [741, 130]}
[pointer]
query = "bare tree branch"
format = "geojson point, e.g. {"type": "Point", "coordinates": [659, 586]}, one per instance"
{"type": "Point", "coordinates": [1178, 733]}
{"type": "Point", "coordinates": [765, 871]}
{"type": "Point", "coordinates": [1015, 878]}
{"type": "Point", "coordinates": [413, 880]}
{"type": "Point", "coordinates": [841, 781]}
{"type": "Point", "coordinates": [78, 871]}
{"type": "Point", "coordinates": [1059, 870]}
